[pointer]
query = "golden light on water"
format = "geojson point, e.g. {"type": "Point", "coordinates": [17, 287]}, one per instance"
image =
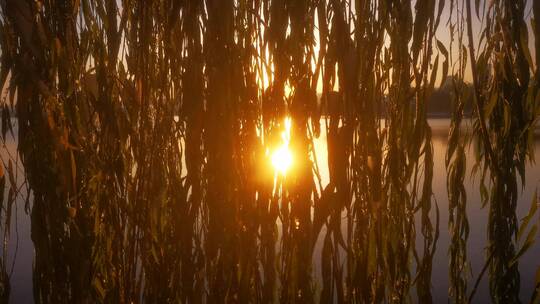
{"type": "Point", "coordinates": [282, 157]}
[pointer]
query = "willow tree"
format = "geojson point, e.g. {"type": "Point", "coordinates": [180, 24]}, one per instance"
{"type": "Point", "coordinates": [146, 130]}
{"type": "Point", "coordinates": [506, 101]}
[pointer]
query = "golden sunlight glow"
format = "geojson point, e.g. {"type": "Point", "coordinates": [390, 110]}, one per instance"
{"type": "Point", "coordinates": [282, 157]}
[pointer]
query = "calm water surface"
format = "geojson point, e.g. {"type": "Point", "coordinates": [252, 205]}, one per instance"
{"type": "Point", "coordinates": [478, 218]}
{"type": "Point", "coordinates": [21, 278]}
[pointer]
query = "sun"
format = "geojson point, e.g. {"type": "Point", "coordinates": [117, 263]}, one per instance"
{"type": "Point", "coordinates": [282, 157]}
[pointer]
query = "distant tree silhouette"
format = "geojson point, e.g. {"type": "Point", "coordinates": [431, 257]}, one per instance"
{"type": "Point", "coordinates": [440, 102]}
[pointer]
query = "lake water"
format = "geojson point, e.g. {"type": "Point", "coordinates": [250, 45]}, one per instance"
{"type": "Point", "coordinates": [478, 218]}
{"type": "Point", "coordinates": [21, 278]}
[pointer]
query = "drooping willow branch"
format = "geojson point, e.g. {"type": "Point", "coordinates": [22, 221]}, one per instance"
{"type": "Point", "coordinates": [504, 91]}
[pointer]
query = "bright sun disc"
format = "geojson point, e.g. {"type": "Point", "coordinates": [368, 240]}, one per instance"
{"type": "Point", "coordinates": [282, 157]}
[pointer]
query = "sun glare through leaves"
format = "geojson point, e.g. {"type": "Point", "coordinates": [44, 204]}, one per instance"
{"type": "Point", "coordinates": [282, 157]}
